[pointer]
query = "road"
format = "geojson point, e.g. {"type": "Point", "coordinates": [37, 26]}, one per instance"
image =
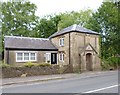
{"type": "Point", "coordinates": [106, 82]}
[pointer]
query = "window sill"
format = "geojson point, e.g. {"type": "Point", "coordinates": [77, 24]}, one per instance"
{"type": "Point", "coordinates": [61, 46]}
{"type": "Point", "coordinates": [27, 61]}
{"type": "Point", "coordinates": [61, 61]}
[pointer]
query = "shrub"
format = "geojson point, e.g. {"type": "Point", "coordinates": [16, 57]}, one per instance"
{"type": "Point", "coordinates": [30, 64]}
{"type": "Point", "coordinates": [44, 64]}
{"type": "Point", "coordinates": [1, 62]}
{"type": "Point", "coordinates": [111, 62]}
{"type": "Point", "coordinates": [4, 65]}
{"type": "Point", "coordinates": [105, 66]}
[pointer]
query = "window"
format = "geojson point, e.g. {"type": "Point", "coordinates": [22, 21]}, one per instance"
{"type": "Point", "coordinates": [25, 56]}
{"type": "Point", "coordinates": [19, 56]}
{"type": "Point", "coordinates": [48, 57]}
{"type": "Point", "coordinates": [61, 42]}
{"type": "Point", "coordinates": [33, 56]}
{"type": "Point", "coordinates": [53, 57]}
{"type": "Point", "coordinates": [61, 56]}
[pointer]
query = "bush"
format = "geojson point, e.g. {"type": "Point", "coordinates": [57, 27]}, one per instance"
{"type": "Point", "coordinates": [30, 64]}
{"type": "Point", "coordinates": [1, 62]}
{"type": "Point", "coordinates": [111, 62]}
{"type": "Point", "coordinates": [4, 65]}
{"type": "Point", "coordinates": [114, 61]}
{"type": "Point", "coordinates": [105, 66]}
{"type": "Point", "coordinates": [44, 64]}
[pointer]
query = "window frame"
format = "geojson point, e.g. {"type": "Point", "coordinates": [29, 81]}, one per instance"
{"type": "Point", "coordinates": [17, 60]}
{"type": "Point", "coordinates": [61, 57]}
{"type": "Point", "coordinates": [28, 56]}
{"type": "Point", "coordinates": [46, 57]}
{"type": "Point", "coordinates": [34, 56]}
{"type": "Point", "coordinates": [23, 56]}
{"type": "Point", "coordinates": [61, 42]}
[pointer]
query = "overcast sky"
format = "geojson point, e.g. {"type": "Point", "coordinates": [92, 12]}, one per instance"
{"type": "Point", "coordinates": [45, 7]}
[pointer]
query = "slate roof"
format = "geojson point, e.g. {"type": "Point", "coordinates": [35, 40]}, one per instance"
{"type": "Point", "coordinates": [74, 28]}
{"type": "Point", "coordinates": [16, 42]}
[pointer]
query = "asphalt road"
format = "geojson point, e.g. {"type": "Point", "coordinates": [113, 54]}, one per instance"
{"type": "Point", "coordinates": [101, 83]}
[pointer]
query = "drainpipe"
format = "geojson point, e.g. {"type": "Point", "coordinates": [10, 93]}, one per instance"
{"type": "Point", "coordinates": [8, 56]}
{"type": "Point", "coordinates": [69, 49]}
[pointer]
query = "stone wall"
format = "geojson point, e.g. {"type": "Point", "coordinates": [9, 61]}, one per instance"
{"type": "Point", "coordinates": [10, 72]}
{"type": "Point", "coordinates": [78, 42]}
{"type": "Point", "coordinates": [64, 48]}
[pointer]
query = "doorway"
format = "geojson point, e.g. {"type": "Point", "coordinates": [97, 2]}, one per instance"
{"type": "Point", "coordinates": [89, 62]}
{"type": "Point", "coordinates": [53, 58]}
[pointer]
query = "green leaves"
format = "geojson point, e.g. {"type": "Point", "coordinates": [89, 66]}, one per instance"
{"type": "Point", "coordinates": [53, 23]}
{"type": "Point", "coordinates": [18, 18]}
{"type": "Point", "coordinates": [47, 26]}
{"type": "Point", "coordinates": [105, 21]}
{"type": "Point", "coordinates": [70, 18]}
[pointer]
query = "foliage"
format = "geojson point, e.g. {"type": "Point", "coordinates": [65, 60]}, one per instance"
{"type": "Point", "coordinates": [1, 62]}
{"type": "Point", "coordinates": [114, 61]}
{"type": "Point", "coordinates": [4, 65]}
{"type": "Point", "coordinates": [70, 18]}
{"type": "Point", "coordinates": [44, 64]}
{"type": "Point", "coordinates": [105, 21]}
{"type": "Point", "coordinates": [53, 23]}
{"type": "Point", "coordinates": [47, 26]}
{"type": "Point", "coordinates": [29, 64]}
{"type": "Point", "coordinates": [18, 18]}
{"type": "Point", "coordinates": [111, 62]}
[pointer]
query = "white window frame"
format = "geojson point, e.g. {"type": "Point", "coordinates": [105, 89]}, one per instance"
{"type": "Point", "coordinates": [63, 57]}
{"type": "Point", "coordinates": [47, 56]}
{"type": "Point", "coordinates": [35, 56]}
{"type": "Point", "coordinates": [61, 42]}
{"type": "Point", "coordinates": [26, 56]}
{"type": "Point", "coordinates": [17, 56]}
{"type": "Point", "coordinates": [23, 53]}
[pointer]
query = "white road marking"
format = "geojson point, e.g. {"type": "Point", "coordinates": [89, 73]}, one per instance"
{"type": "Point", "coordinates": [101, 89]}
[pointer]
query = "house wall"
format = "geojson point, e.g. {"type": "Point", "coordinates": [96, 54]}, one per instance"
{"type": "Point", "coordinates": [77, 42]}
{"type": "Point", "coordinates": [64, 48]}
{"type": "Point", "coordinates": [11, 57]}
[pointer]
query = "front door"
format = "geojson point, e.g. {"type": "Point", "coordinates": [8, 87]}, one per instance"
{"type": "Point", "coordinates": [89, 62]}
{"type": "Point", "coordinates": [53, 58]}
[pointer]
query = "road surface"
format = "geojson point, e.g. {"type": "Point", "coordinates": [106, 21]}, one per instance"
{"type": "Point", "coordinates": [106, 82]}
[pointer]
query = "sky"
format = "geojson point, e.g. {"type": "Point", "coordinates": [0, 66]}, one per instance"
{"type": "Point", "coordinates": [46, 7]}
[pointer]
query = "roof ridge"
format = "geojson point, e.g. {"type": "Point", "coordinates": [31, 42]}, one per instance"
{"type": "Point", "coordinates": [27, 38]}
{"type": "Point", "coordinates": [74, 26]}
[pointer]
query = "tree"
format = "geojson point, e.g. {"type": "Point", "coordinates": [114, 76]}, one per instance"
{"type": "Point", "coordinates": [105, 21]}
{"type": "Point", "coordinates": [47, 26]}
{"type": "Point", "coordinates": [70, 18]}
{"type": "Point", "coordinates": [18, 18]}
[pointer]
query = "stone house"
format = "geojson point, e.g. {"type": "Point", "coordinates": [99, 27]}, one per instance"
{"type": "Point", "coordinates": [74, 45]}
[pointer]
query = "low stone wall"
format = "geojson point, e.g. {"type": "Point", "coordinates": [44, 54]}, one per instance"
{"type": "Point", "coordinates": [66, 69]}
{"type": "Point", "coordinates": [11, 72]}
